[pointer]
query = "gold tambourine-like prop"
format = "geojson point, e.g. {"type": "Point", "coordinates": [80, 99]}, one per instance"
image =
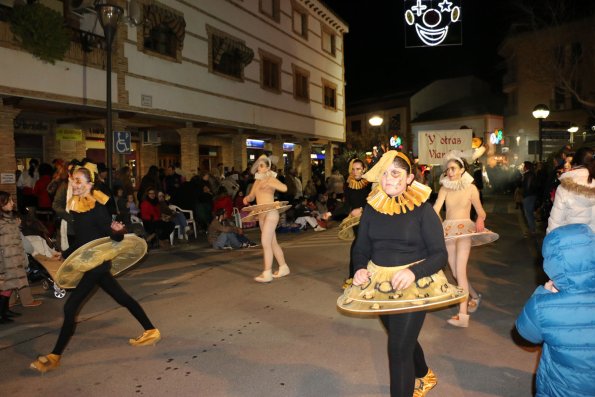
{"type": "Point", "coordinates": [377, 295]}
{"type": "Point", "coordinates": [123, 255]}
{"type": "Point", "coordinates": [346, 228]}
{"type": "Point", "coordinates": [255, 210]}
{"type": "Point", "coordinates": [465, 228]}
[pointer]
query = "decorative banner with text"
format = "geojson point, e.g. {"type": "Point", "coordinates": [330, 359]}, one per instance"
{"type": "Point", "coordinates": [431, 23]}
{"type": "Point", "coordinates": [433, 145]}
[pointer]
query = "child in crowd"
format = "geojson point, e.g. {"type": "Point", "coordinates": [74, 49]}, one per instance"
{"type": "Point", "coordinates": [560, 314]}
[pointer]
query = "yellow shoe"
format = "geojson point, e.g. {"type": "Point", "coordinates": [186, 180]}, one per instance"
{"type": "Point", "coordinates": [425, 384]}
{"type": "Point", "coordinates": [47, 363]}
{"type": "Point", "coordinates": [148, 338]}
{"type": "Point", "coordinates": [347, 283]}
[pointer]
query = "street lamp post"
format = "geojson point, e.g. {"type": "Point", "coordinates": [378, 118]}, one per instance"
{"type": "Point", "coordinates": [573, 129]}
{"type": "Point", "coordinates": [540, 112]}
{"type": "Point", "coordinates": [109, 16]}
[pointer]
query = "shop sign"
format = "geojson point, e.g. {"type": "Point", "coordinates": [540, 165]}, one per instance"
{"type": "Point", "coordinates": [69, 134]}
{"type": "Point", "coordinates": [7, 178]}
{"type": "Point", "coordinates": [433, 145]}
{"type": "Point", "coordinates": [288, 147]}
{"type": "Point", "coordinates": [255, 143]}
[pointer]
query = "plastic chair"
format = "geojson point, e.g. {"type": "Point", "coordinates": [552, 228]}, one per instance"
{"type": "Point", "coordinates": [189, 217]}
{"type": "Point", "coordinates": [237, 218]}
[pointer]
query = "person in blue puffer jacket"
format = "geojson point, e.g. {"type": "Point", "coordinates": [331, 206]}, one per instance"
{"type": "Point", "coordinates": [561, 314]}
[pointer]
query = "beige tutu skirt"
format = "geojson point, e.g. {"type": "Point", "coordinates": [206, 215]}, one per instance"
{"type": "Point", "coordinates": [377, 296]}
{"type": "Point", "coordinates": [465, 228]}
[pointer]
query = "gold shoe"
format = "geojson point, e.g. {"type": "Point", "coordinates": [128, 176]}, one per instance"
{"type": "Point", "coordinates": [148, 338]}
{"type": "Point", "coordinates": [47, 363]}
{"type": "Point", "coordinates": [425, 384]}
{"type": "Point", "coordinates": [347, 283]}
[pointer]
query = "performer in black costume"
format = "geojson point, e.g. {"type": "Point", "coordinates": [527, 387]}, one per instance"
{"type": "Point", "coordinates": [355, 195]}
{"type": "Point", "coordinates": [92, 221]}
{"type": "Point", "coordinates": [398, 227]}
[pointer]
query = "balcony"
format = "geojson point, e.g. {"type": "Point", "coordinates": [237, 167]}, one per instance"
{"type": "Point", "coordinates": [85, 48]}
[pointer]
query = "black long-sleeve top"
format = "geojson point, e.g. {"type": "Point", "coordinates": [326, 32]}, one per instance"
{"type": "Point", "coordinates": [91, 225]}
{"type": "Point", "coordinates": [354, 198]}
{"type": "Point", "coordinates": [396, 240]}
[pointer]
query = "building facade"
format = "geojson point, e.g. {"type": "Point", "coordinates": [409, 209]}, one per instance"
{"type": "Point", "coordinates": [554, 67]}
{"type": "Point", "coordinates": [192, 82]}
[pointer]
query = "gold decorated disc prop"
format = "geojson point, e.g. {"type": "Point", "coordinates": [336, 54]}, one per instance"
{"type": "Point", "coordinates": [255, 210]}
{"type": "Point", "coordinates": [346, 228]}
{"type": "Point", "coordinates": [377, 296]}
{"type": "Point", "coordinates": [455, 229]}
{"type": "Point", "coordinates": [123, 255]}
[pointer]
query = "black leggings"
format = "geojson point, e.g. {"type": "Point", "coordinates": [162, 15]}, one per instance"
{"type": "Point", "coordinates": [405, 356]}
{"type": "Point", "coordinates": [351, 265]}
{"type": "Point", "coordinates": [102, 277]}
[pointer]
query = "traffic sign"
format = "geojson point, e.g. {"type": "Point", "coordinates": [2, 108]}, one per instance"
{"type": "Point", "coordinates": [122, 142]}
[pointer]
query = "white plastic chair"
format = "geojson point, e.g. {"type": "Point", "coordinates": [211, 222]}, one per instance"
{"type": "Point", "coordinates": [237, 218]}
{"type": "Point", "coordinates": [189, 217]}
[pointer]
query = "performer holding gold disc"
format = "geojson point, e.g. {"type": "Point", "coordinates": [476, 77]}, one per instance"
{"type": "Point", "coordinates": [267, 211]}
{"type": "Point", "coordinates": [355, 195]}
{"type": "Point", "coordinates": [92, 221]}
{"type": "Point", "coordinates": [398, 255]}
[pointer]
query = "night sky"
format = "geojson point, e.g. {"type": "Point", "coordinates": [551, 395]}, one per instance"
{"type": "Point", "coordinates": [377, 62]}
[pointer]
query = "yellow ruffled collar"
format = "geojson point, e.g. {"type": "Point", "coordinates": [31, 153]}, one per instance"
{"type": "Point", "coordinates": [87, 203]}
{"type": "Point", "coordinates": [412, 197]}
{"type": "Point", "coordinates": [357, 184]}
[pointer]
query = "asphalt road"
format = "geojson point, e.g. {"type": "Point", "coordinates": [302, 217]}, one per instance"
{"type": "Point", "coordinates": [226, 335]}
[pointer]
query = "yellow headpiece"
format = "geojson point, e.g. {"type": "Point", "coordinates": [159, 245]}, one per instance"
{"type": "Point", "coordinates": [92, 170]}
{"type": "Point", "coordinates": [387, 158]}
{"type": "Point", "coordinates": [412, 197]}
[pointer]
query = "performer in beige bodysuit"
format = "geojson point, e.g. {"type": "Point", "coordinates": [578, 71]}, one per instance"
{"type": "Point", "coordinates": [459, 193]}
{"type": "Point", "coordinates": [263, 190]}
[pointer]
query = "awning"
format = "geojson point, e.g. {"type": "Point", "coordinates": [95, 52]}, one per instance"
{"type": "Point", "coordinates": [157, 16]}
{"type": "Point", "coordinates": [234, 48]}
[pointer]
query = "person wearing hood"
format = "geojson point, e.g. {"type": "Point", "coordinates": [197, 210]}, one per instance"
{"type": "Point", "coordinates": [560, 314]}
{"type": "Point", "coordinates": [575, 197]}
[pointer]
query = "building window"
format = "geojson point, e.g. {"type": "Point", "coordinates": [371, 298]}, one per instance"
{"type": "Point", "coordinates": [162, 40]}
{"type": "Point", "coordinates": [328, 42]}
{"type": "Point", "coordinates": [228, 56]}
{"type": "Point", "coordinates": [270, 8]}
{"type": "Point", "coordinates": [329, 91]}
{"type": "Point", "coordinates": [301, 84]}
{"type": "Point", "coordinates": [163, 31]}
{"type": "Point", "coordinates": [300, 21]}
{"type": "Point", "coordinates": [270, 72]}
{"type": "Point", "coordinates": [356, 126]}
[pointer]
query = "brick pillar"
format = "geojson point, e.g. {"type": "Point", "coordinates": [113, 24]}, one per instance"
{"type": "Point", "coordinates": [148, 156]}
{"type": "Point", "coordinates": [329, 159]}
{"type": "Point", "coordinates": [189, 150]}
{"type": "Point", "coordinates": [240, 152]}
{"type": "Point", "coordinates": [277, 150]}
{"type": "Point", "coordinates": [119, 61]}
{"type": "Point", "coordinates": [305, 169]}
{"type": "Point", "coordinates": [8, 161]}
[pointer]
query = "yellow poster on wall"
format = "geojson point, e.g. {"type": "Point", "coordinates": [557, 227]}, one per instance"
{"type": "Point", "coordinates": [69, 134]}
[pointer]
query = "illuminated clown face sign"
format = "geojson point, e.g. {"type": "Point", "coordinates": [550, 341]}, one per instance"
{"type": "Point", "coordinates": [429, 22]}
